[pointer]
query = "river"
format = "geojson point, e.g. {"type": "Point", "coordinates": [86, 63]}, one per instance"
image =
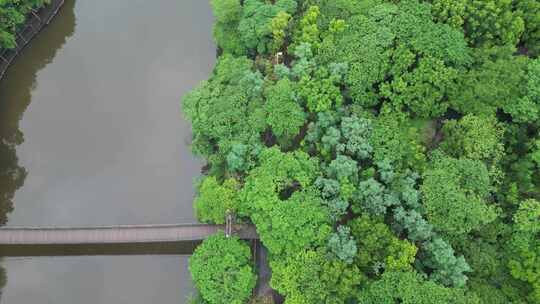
{"type": "Point", "coordinates": [92, 134]}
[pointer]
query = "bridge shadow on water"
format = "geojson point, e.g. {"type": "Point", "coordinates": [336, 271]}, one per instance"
{"type": "Point", "coordinates": [164, 248]}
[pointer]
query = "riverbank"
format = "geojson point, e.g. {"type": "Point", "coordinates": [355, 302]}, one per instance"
{"type": "Point", "coordinates": [35, 22]}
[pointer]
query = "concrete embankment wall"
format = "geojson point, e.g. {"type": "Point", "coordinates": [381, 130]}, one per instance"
{"type": "Point", "coordinates": [35, 22]}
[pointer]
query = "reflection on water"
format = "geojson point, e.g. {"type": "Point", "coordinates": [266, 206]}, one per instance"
{"type": "Point", "coordinates": [97, 280]}
{"type": "Point", "coordinates": [166, 248]}
{"type": "Point", "coordinates": [15, 96]}
{"type": "Point", "coordinates": [91, 134]}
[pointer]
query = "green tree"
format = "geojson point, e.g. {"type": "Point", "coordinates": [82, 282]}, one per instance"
{"type": "Point", "coordinates": [455, 193]}
{"type": "Point", "coordinates": [228, 14]}
{"type": "Point", "coordinates": [499, 80]}
{"type": "Point", "coordinates": [226, 110]}
{"type": "Point", "coordinates": [282, 202]}
{"type": "Point", "coordinates": [529, 11]}
{"type": "Point", "coordinates": [477, 138]}
{"type": "Point", "coordinates": [485, 22]}
{"type": "Point", "coordinates": [525, 247]}
{"type": "Point", "coordinates": [396, 52]}
{"type": "Point", "coordinates": [255, 27]}
{"type": "Point", "coordinates": [214, 200]}
{"type": "Point", "coordinates": [13, 14]}
{"type": "Point", "coordinates": [221, 270]}
{"type": "Point", "coordinates": [279, 25]}
{"type": "Point", "coordinates": [308, 277]}
{"type": "Point", "coordinates": [379, 249]}
{"type": "Point", "coordinates": [342, 245]}
{"type": "Point", "coordinates": [411, 288]}
{"type": "Point", "coordinates": [285, 115]}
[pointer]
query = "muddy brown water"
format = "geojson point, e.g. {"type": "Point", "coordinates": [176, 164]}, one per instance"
{"type": "Point", "coordinates": [92, 134]}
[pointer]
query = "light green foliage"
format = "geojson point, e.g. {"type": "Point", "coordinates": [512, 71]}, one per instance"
{"type": "Point", "coordinates": [228, 14]}
{"type": "Point", "coordinates": [397, 51]}
{"type": "Point", "coordinates": [279, 24]}
{"type": "Point", "coordinates": [526, 107]}
{"type": "Point", "coordinates": [214, 200]}
{"type": "Point", "coordinates": [411, 288]}
{"type": "Point", "coordinates": [299, 222]}
{"type": "Point", "coordinates": [485, 22]}
{"type": "Point", "coordinates": [308, 30]}
{"type": "Point", "coordinates": [524, 262]}
{"type": "Point", "coordinates": [476, 138]}
{"type": "Point", "coordinates": [280, 200]}
{"type": "Point", "coordinates": [455, 193]}
{"type": "Point", "coordinates": [321, 91]}
{"type": "Point", "coordinates": [527, 218]}
{"type": "Point", "coordinates": [12, 15]}
{"type": "Point", "coordinates": [226, 110]}
{"type": "Point", "coordinates": [221, 270]}
{"type": "Point", "coordinates": [379, 250]}
{"type": "Point", "coordinates": [308, 277]}
{"type": "Point", "coordinates": [285, 115]}
{"type": "Point", "coordinates": [342, 245]}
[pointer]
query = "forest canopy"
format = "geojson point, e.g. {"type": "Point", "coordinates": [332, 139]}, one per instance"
{"type": "Point", "coordinates": [387, 151]}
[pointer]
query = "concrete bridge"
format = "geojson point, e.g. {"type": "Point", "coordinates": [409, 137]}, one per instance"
{"type": "Point", "coordinates": [119, 234]}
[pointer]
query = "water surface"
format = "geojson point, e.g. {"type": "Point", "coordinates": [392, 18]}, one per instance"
{"type": "Point", "coordinates": [92, 134]}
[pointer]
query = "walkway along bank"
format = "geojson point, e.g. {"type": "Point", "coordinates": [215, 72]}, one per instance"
{"type": "Point", "coordinates": [34, 23]}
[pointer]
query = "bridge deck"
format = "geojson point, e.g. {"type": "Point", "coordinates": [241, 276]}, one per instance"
{"type": "Point", "coordinates": [120, 234]}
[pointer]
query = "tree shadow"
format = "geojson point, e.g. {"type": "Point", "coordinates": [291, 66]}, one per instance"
{"type": "Point", "coordinates": [15, 96]}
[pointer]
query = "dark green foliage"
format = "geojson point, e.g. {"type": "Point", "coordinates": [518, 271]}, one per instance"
{"type": "Point", "coordinates": [500, 80]}
{"type": "Point", "coordinates": [221, 270]}
{"type": "Point", "coordinates": [396, 51]}
{"type": "Point", "coordinates": [12, 15]}
{"type": "Point", "coordinates": [411, 288]}
{"type": "Point", "coordinates": [529, 10]}
{"type": "Point", "coordinates": [255, 28]}
{"type": "Point", "coordinates": [448, 269]}
{"type": "Point", "coordinates": [228, 14]}
{"type": "Point", "coordinates": [342, 245]}
{"type": "Point", "coordinates": [332, 134]}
